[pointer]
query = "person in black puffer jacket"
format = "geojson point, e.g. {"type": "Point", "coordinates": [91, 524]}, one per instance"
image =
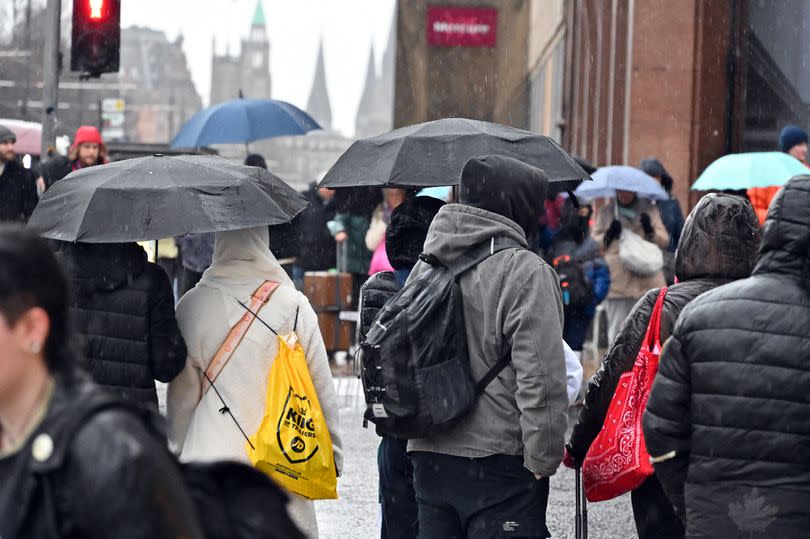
{"type": "Point", "coordinates": [718, 244]}
{"type": "Point", "coordinates": [124, 310]}
{"type": "Point", "coordinates": [727, 419]}
{"type": "Point", "coordinates": [404, 240]}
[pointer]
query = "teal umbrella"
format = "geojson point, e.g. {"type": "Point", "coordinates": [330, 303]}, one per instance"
{"type": "Point", "coordinates": [747, 170]}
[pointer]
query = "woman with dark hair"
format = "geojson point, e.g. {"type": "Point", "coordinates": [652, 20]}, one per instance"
{"type": "Point", "coordinates": [66, 473]}
{"type": "Point", "coordinates": [670, 210]}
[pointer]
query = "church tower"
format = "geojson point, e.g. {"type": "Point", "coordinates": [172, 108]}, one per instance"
{"type": "Point", "coordinates": [318, 105]}
{"type": "Point", "coordinates": [255, 58]}
{"type": "Point", "coordinates": [375, 113]}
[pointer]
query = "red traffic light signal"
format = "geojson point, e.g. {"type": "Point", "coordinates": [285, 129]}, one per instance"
{"type": "Point", "coordinates": [96, 37]}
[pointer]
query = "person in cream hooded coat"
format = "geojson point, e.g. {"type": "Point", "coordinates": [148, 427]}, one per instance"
{"type": "Point", "coordinates": [206, 314]}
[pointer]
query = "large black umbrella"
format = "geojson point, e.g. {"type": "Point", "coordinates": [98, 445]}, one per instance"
{"type": "Point", "coordinates": [434, 154]}
{"type": "Point", "coordinates": [160, 197]}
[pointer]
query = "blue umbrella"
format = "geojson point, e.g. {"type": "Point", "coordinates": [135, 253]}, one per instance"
{"type": "Point", "coordinates": [608, 180]}
{"type": "Point", "coordinates": [747, 170]}
{"type": "Point", "coordinates": [243, 121]}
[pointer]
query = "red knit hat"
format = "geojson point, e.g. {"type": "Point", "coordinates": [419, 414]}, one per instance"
{"type": "Point", "coordinates": [87, 133]}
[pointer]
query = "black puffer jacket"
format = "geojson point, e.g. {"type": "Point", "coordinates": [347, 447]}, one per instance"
{"type": "Point", "coordinates": [718, 244]}
{"type": "Point", "coordinates": [123, 307]}
{"type": "Point", "coordinates": [18, 193]}
{"type": "Point", "coordinates": [113, 478]}
{"type": "Point", "coordinates": [728, 412]}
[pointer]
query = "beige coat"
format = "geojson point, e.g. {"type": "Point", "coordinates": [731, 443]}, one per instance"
{"type": "Point", "coordinates": [623, 283]}
{"type": "Point", "coordinates": [242, 261]}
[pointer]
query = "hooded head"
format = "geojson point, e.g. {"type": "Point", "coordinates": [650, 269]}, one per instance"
{"type": "Point", "coordinates": [505, 186]}
{"type": "Point", "coordinates": [786, 234]}
{"type": "Point", "coordinates": [406, 233]}
{"type": "Point", "coordinates": [720, 239]}
{"type": "Point", "coordinates": [243, 257]}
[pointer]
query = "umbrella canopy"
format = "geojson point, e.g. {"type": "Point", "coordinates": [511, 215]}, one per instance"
{"type": "Point", "coordinates": [242, 121]}
{"type": "Point", "coordinates": [608, 180]}
{"type": "Point", "coordinates": [160, 197]}
{"type": "Point", "coordinates": [434, 154]}
{"type": "Point", "coordinates": [29, 136]}
{"type": "Point", "coordinates": [746, 170]}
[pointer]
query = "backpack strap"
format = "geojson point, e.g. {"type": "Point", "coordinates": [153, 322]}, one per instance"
{"type": "Point", "coordinates": [261, 296]}
{"type": "Point", "coordinates": [478, 253]}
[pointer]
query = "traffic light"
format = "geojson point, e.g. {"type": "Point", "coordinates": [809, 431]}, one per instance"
{"type": "Point", "coordinates": [96, 39]}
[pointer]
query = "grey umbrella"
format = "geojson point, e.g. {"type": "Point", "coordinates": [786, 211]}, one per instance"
{"type": "Point", "coordinates": [160, 197]}
{"type": "Point", "coordinates": [434, 153]}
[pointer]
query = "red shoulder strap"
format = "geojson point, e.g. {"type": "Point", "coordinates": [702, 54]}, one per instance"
{"type": "Point", "coordinates": [653, 337]}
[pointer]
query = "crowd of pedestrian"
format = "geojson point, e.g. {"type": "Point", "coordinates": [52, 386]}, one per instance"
{"type": "Point", "coordinates": [87, 328]}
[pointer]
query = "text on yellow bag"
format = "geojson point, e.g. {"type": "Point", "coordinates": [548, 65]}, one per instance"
{"type": "Point", "coordinates": [293, 445]}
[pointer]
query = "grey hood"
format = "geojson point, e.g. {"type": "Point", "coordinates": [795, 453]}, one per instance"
{"type": "Point", "coordinates": [505, 186]}
{"type": "Point", "coordinates": [458, 227]}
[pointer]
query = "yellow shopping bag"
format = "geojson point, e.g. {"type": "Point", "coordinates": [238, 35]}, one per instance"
{"type": "Point", "coordinates": [293, 445]}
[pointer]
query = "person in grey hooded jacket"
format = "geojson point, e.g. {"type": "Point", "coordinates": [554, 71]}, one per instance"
{"type": "Point", "coordinates": [489, 472]}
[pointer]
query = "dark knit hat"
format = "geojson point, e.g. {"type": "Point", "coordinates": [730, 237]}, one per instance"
{"type": "Point", "coordinates": [406, 233]}
{"type": "Point", "coordinates": [790, 136]}
{"type": "Point", "coordinates": [7, 134]}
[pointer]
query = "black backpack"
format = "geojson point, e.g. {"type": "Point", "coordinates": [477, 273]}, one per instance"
{"type": "Point", "coordinates": [576, 290]}
{"type": "Point", "coordinates": [418, 378]}
{"type": "Point", "coordinates": [232, 500]}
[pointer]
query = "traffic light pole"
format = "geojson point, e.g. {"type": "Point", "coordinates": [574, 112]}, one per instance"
{"type": "Point", "coordinates": [50, 95]}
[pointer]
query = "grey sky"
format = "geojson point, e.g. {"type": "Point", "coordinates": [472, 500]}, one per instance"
{"type": "Point", "coordinates": [295, 27]}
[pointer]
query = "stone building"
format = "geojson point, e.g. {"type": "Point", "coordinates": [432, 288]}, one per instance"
{"type": "Point", "coordinates": [247, 74]}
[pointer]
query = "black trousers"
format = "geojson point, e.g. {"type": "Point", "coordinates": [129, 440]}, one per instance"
{"type": "Point", "coordinates": [482, 498]}
{"type": "Point", "coordinates": [400, 518]}
{"type": "Point", "coordinates": [655, 517]}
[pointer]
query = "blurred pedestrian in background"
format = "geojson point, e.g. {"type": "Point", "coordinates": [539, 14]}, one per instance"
{"type": "Point", "coordinates": [88, 148]}
{"type": "Point", "coordinates": [792, 141]}
{"type": "Point", "coordinates": [641, 217]}
{"type": "Point", "coordinates": [671, 213]}
{"type": "Point", "coordinates": [18, 190]}
{"type": "Point", "coordinates": [375, 236]}
{"type": "Point", "coordinates": [583, 272]}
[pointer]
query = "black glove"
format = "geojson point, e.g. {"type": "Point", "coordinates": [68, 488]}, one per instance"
{"type": "Point", "coordinates": [613, 232]}
{"type": "Point", "coordinates": [646, 224]}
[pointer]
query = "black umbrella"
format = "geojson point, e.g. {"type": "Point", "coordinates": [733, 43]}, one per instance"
{"type": "Point", "coordinates": [434, 154]}
{"type": "Point", "coordinates": [160, 197]}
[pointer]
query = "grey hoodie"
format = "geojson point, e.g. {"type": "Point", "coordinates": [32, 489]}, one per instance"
{"type": "Point", "coordinates": [512, 298]}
